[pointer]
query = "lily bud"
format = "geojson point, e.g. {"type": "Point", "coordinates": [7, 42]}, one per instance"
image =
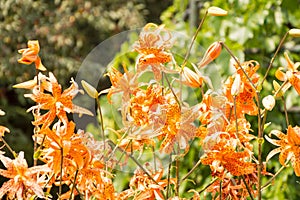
{"type": "Point", "coordinates": [268, 102]}
{"type": "Point", "coordinates": [277, 87]}
{"type": "Point", "coordinates": [91, 91]}
{"type": "Point", "coordinates": [211, 53]}
{"type": "Point", "coordinates": [191, 78]}
{"type": "Point", "coordinates": [216, 11]}
{"type": "Point", "coordinates": [236, 86]}
{"type": "Point", "coordinates": [295, 32]}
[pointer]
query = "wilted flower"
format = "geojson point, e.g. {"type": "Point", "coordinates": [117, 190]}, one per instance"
{"type": "Point", "coordinates": [30, 55]}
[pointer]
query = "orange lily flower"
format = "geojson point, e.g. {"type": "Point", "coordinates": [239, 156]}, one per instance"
{"type": "Point", "coordinates": [177, 127]}
{"type": "Point", "coordinates": [143, 187]}
{"type": "Point", "coordinates": [56, 101]}
{"type": "Point", "coordinates": [24, 182]}
{"type": "Point", "coordinates": [126, 83]}
{"type": "Point", "coordinates": [245, 94]}
{"type": "Point", "coordinates": [153, 45]}
{"type": "Point", "coordinates": [289, 147]}
{"type": "Point", "coordinates": [30, 55]}
{"type": "Point", "coordinates": [292, 74]}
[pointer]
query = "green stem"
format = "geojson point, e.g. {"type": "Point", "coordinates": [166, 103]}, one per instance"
{"type": "Point", "coordinates": [239, 64]}
{"type": "Point", "coordinates": [212, 182]}
{"type": "Point", "coordinates": [285, 111]}
{"type": "Point", "coordinates": [8, 147]}
{"type": "Point", "coordinates": [273, 58]}
{"type": "Point", "coordinates": [260, 142]}
{"type": "Point", "coordinates": [177, 173]}
{"type": "Point", "coordinates": [247, 187]}
{"type": "Point", "coordinates": [133, 159]}
{"type": "Point", "coordinates": [169, 175]}
{"type": "Point", "coordinates": [61, 171]}
{"type": "Point", "coordinates": [273, 177]}
{"type": "Point", "coordinates": [74, 185]}
{"type": "Point", "coordinates": [102, 129]}
{"type": "Point", "coordinates": [173, 92]}
{"type": "Point", "coordinates": [220, 186]}
{"type": "Point", "coordinates": [191, 171]}
{"type": "Point", "coordinates": [193, 40]}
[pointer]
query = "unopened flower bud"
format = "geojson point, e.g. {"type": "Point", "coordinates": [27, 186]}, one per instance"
{"type": "Point", "coordinates": [268, 102]}
{"type": "Point", "coordinates": [236, 86]}
{"type": "Point", "coordinates": [295, 32]}
{"type": "Point", "coordinates": [216, 11]}
{"type": "Point", "coordinates": [91, 91]}
{"type": "Point", "coordinates": [211, 53]}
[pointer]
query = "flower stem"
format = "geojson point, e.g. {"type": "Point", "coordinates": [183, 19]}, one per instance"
{"type": "Point", "coordinates": [239, 64]}
{"type": "Point", "coordinates": [247, 187]}
{"type": "Point", "coordinates": [169, 174]}
{"type": "Point", "coordinates": [212, 182]}
{"type": "Point", "coordinates": [285, 111]}
{"type": "Point", "coordinates": [273, 177]}
{"type": "Point", "coordinates": [102, 129]}
{"type": "Point", "coordinates": [191, 171]}
{"type": "Point", "coordinates": [74, 185]}
{"type": "Point", "coordinates": [8, 147]}
{"type": "Point", "coordinates": [260, 142]}
{"type": "Point", "coordinates": [193, 40]}
{"type": "Point", "coordinates": [273, 58]}
{"type": "Point", "coordinates": [177, 173]}
{"type": "Point", "coordinates": [61, 171]}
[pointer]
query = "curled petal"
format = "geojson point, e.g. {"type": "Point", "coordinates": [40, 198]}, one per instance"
{"type": "Point", "coordinates": [280, 75]}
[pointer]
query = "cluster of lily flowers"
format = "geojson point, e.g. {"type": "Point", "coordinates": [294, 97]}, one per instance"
{"type": "Point", "coordinates": [154, 115]}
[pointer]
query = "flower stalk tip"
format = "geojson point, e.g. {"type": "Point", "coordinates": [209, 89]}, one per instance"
{"type": "Point", "coordinates": [216, 11]}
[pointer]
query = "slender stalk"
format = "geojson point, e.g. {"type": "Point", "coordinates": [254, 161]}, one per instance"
{"type": "Point", "coordinates": [8, 147]}
{"type": "Point", "coordinates": [173, 92]}
{"type": "Point", "coordinates": [273, 177]}
{"type": "Point", "coordinates": [169, 175]}
{"type": "Point", "coordinates": [239, 64]}
{"type": "Point", "coordinates": [247, 187]}
{"type": "Point", "coordinates": [74, 185]}
{"type": "Point", "coordinates": [102, 129]}
{"type": "Point", "coordinates": [61, 171]}
{"type": "Point", "coordinates": [212, 182]}
{"type": "Point", "coordinates": [273, 58]}
{"type": "Point", "coordinates": [154, 158]}
{"type": "Point", "coordinates": [285, 111]}
{"type": "Point", "coordinates": [260, 142]}
{"type": "Point", "coordinates": [220, 186]}
{"type": "Point", "coordinates": [191, 171]}
{"type": "Point", "coordinates": [134, 160]}
{"type": "Point", "coordinates": [37, 112]}
{"type": "Point", "coordinates": [177, 173]}
{"type": "Point", "coordinates": [236, 119]}
{"type": "Point", "coordinates": [193, 40]}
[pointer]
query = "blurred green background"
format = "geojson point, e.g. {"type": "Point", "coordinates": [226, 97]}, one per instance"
{"type": "Point", "coordinates": [69, 30]}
